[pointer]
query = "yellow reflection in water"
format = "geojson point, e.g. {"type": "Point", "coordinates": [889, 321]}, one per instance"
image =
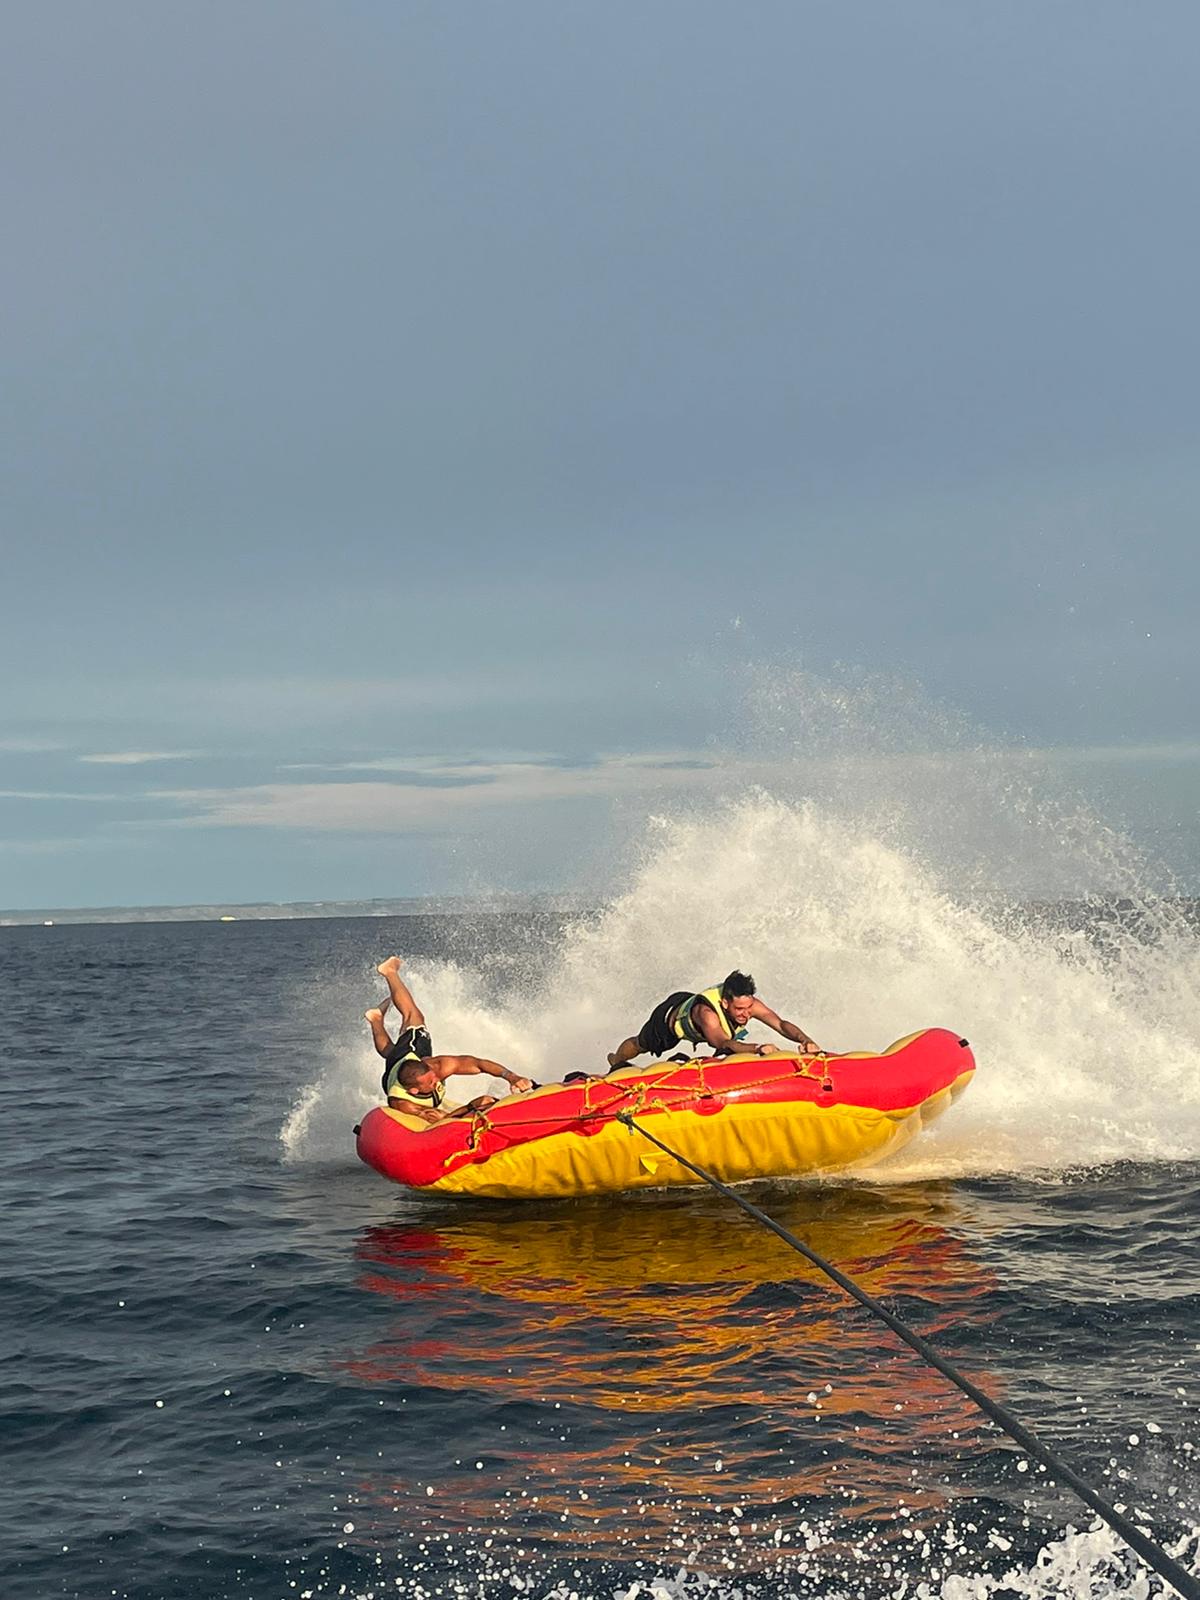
{"type": "Point", "coordinates": [719, 1365]}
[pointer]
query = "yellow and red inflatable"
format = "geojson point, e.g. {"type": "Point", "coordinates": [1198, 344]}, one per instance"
{"type": "Point", "coordinates": [738, 1116]}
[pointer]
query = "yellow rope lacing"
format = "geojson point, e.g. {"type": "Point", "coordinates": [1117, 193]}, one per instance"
{"type": "Point", "coordinates": [640, 1089]}
{"type": "Point", "coordinates": [479, 1125]}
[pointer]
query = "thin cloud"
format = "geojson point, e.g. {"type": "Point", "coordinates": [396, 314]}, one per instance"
{"type": "Point", "coordinates": [1182, 750]}
{"type": "Point", "coordinates": [428, 796]}
{"type": "Point", "coordinates": [59, 794]}
{"type": "Point", "coordinates": [444, 765]}
{"type": "Point", "coordinates": [384, 807]}
{"type": "Point", "coordinates": [483, 768]}
{"type": "Point", "coordinates": [403, 774]}
{"type": "Point", "coordinates": [140, 758]}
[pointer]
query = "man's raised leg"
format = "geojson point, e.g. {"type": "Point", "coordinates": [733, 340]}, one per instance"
{"type": "Point", "coordinates": [379, 1034]}
{"type": "Point", "coordinates": [411, 1015]}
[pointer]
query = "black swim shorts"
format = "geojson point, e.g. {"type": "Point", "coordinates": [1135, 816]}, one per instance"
{"type": "Point", "coordinates": [412, 1042]}
{"type": "Point", "coordinates": [657, 1034]}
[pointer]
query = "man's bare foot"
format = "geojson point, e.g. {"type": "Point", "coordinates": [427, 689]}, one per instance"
{"type": "Point", "coordinates": [392, 964]}
{"type": "Point", "coordinates": [374, 1015]}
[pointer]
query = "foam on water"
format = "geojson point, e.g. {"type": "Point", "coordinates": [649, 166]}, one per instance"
{"type": "Point", "coordinates": [1088, 1048]}
{"type": "Point", "coordinates": [817, 1563]}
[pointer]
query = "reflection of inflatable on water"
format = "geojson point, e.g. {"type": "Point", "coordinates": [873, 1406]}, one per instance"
{"type": "Point", "coordinates": [741, 1117]}
{"type": "Point", "coordinates": [669, 1319]}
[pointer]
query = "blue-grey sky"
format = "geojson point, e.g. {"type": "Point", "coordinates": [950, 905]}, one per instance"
{"type": "Point", "coordinates": [426, 427]}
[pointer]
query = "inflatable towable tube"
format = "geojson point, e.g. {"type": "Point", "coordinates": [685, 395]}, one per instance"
{"type": "Point", "coordinates": [738, 1116]}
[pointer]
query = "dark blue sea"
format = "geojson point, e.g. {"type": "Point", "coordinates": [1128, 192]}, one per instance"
{"type": "Point", "coordinates": [235, 1364]}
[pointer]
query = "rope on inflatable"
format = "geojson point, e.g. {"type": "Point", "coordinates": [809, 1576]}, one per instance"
{"type": "Point", "coordinates": [1152, 1554]}
{"type": "Point", "coordinates": [647, 1083]}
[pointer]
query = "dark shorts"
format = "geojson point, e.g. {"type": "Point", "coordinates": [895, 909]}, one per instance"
{"type": "Point", "coordinates": [412, 1042]}
{"type": "Point", "coordinates": [657, 1035]}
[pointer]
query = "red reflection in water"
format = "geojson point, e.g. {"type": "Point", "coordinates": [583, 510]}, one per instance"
{"type": "Point", "coordinates": [725, 1367]}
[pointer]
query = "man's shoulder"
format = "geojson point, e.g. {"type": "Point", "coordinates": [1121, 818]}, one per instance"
{"type": "Point", "coordinates": [445, 1063]}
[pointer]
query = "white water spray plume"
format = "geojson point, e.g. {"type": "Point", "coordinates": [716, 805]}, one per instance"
{"type": "Point", "coordinates": [904, 875]}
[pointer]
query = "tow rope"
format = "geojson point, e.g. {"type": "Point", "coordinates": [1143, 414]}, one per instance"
{"type": "Point", "coordinates": [1155, 1558]}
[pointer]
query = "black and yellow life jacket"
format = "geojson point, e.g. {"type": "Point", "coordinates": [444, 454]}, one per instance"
{"type": "Point", "coordinates": [396, 1090]}
{"type": "Point", "coordinates": [686, 1027]}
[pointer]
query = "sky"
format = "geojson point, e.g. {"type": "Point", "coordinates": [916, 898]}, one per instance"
{"type": "Point", "coordinates": [430, 434]}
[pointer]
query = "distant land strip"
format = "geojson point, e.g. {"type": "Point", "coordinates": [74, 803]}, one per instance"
{"type": "Point", "coordinates": [426, 906]}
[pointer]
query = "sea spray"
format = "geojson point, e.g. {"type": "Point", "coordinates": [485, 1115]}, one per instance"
{"type": "Point", "coordinates": [1088, 1047]}
{"type": "Point", "coordinates": [880, 865]}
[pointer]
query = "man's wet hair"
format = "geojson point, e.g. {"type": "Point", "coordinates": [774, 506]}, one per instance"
{"type": "Point", "coordinates": [407, 1069]}
{"type": "Point", "coordinates": [737, 983]}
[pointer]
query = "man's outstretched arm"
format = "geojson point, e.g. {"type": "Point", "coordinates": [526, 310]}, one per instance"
{"type": "Point", "coordinates": [789, 1030]}
{"type": "Point", "coordinates": [472, 1066]}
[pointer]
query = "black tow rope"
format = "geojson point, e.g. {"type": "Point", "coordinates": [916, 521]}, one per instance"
{"type": "Point", "coordinates": [1154, 1557]}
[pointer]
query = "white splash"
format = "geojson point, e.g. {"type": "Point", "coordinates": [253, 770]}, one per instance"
{"type": "Point", "coordinates": [1090, 1563]}
{"type": "Point", "coordinates": [1086, 1055]}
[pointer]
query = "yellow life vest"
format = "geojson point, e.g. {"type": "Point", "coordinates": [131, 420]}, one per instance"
{"type": "Point", "coordinates": [685, 1026]}
{"type": "Point", "coordinates": [397, 1091]}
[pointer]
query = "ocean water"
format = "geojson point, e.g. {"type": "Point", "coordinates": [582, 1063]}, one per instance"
{"type": "Point", "coordinates": [235, 1364]}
